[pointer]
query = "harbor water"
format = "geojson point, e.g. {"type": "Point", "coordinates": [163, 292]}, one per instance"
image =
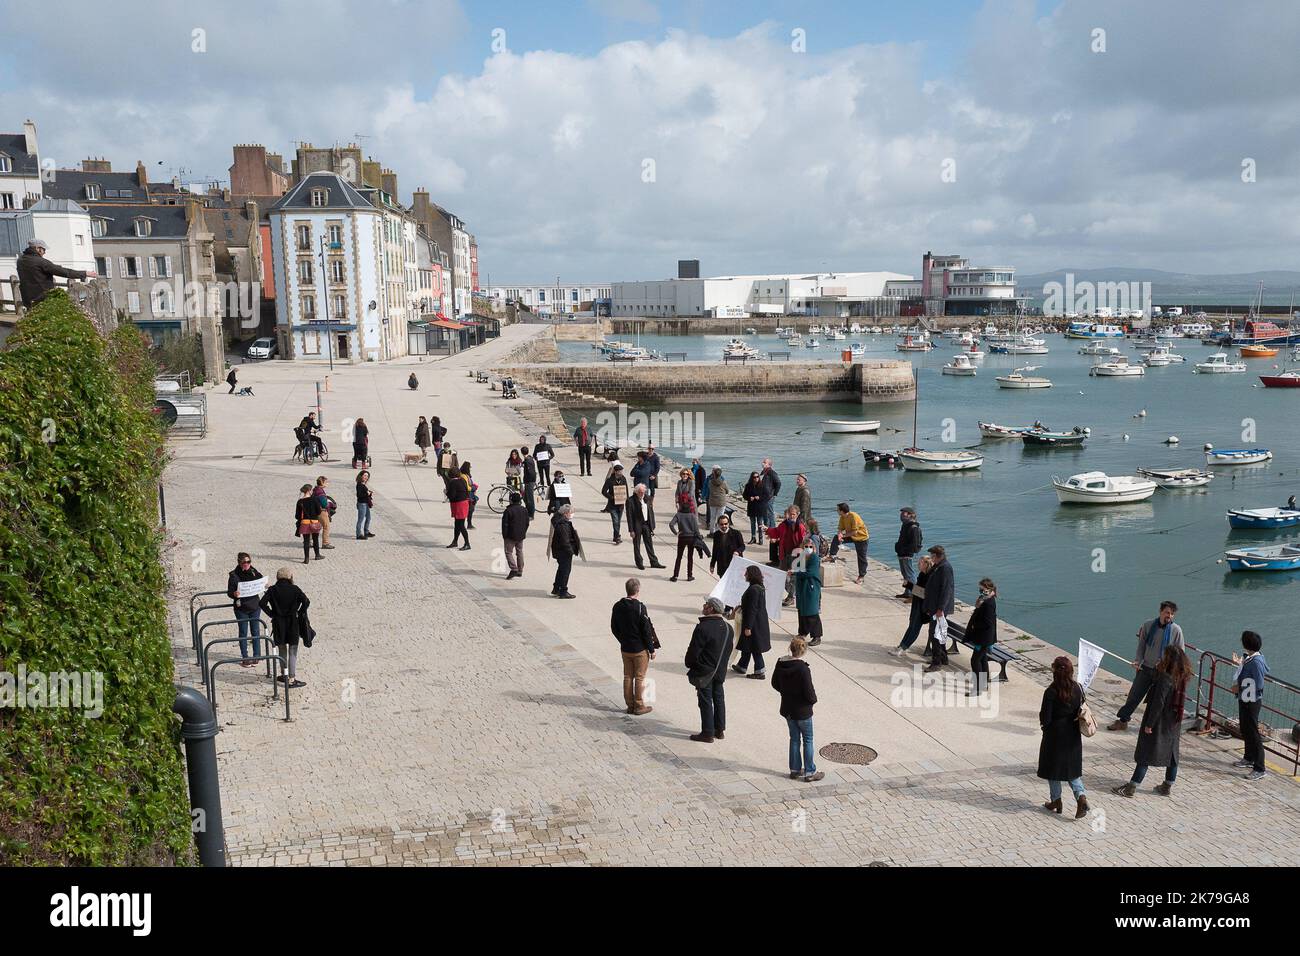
{"type": "Point", "coordinates": [1063, 572]}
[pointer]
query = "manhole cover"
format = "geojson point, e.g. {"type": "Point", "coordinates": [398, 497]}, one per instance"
{"type": "Point", "coordinates": [859, 754]}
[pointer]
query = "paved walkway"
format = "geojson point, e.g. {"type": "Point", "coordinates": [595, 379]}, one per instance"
{"type": "Point", "coordinates": [453, 717]}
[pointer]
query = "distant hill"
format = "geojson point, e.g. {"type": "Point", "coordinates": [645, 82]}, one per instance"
{"type": "Point", "coordinates": [1178, 287]}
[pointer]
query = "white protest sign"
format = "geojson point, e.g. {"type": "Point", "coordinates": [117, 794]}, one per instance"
{"type": "Point", "coordinates": [1090, 656]}
{"type": "Point", "coordinates": [731, 587]}
{"type": "Point", "coordinates": [561, 489]}
{"type": "Point", "coordinates": [254, 588]}
{"type": "Point", "coordinates": [543, 456]}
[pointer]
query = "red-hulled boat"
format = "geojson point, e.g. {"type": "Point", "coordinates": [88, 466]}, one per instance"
{"type": "Point", "coordinates": [1286, 379]}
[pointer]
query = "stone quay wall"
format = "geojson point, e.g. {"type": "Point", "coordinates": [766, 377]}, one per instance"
{"type": "Point", "coordinates": [706, 383]}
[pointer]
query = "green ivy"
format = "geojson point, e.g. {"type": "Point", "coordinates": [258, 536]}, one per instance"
{"type": "Point", "coordinates": [82, 589]}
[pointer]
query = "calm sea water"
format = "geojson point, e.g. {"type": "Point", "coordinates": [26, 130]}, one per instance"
{"type": "Point", "coordinates": [1003, 520]}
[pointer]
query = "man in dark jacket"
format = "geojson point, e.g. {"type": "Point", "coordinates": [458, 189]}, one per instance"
{"type": "Point", "coordinates": [698, 478]}
{"type": "Point", "coordinates": [232, 380]}
{"type": "Point", "coordinates": [564, 545]}
{"type": "Point", "coordinates": [616, 495]}
{"type": "Point", "coordinates": [641, 526]}
{"type": "Point", "coordinates": [584, 439]}
{"type": "Point", "coordinates": [706, 669]}
{"type": "Point", "coordinates": [530, 480]}
{"type": "Point", "coordinates": [36, 273]}
{"type": "Point", "coordinates": [906, 547]}
{"type": "Point", "coordinates": [771, 484]}
{"type": "Point", "coordinates": [514, 528]}
{"type": "Point", "coordinates": [940, 593]}
{"type": "Point", "coordinates": [247, 612]}
{"type": "Point", "coordinates": [543, 454]}
{"type": "Point", "coordinates": [630, 623]}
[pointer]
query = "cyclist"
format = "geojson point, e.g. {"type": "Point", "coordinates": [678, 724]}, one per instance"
{"type": "Point", "coordinates": [309, 436]}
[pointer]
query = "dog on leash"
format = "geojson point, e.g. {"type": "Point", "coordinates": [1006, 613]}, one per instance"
{"type": "Point", "coordinates": [412, 457]}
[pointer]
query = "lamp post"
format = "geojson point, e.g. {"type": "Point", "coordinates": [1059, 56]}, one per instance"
{"type": "Point", "coordinates": [324, 278]}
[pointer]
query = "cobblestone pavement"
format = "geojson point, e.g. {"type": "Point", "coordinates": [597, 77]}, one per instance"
{"type": "Point", "coordinates": [447, 721]}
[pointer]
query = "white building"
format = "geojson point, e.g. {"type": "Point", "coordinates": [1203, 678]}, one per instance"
{"type": "Point", "coordinates": [63, 225]}
{"type": "Point", "coordinates": [20, 169]}
{"type": "Point", "coordinates": [952, 286]}
{"type": "Point", "coordinates": [551, 299]}
{"type": "Point", "coordinates": [328, 246]}
{"type": "Point", "coordinates": [834, 294]}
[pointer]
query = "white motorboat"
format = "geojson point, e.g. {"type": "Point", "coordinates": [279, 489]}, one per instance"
{"type": "Point", "coordinates": [1118, 367]}
{"type": "Point", "coordinates": [856, 328]}
{"type": "Point", "coordinates": [1173, 478]}
{"type": "Point", "coordinates": [1237, 456]}
{"type": "Point", "coordinates": [1098, 348]}
{"type": "Point", "coordinates": [1099, 488]}
{"type": "Point", "coordinates": [1161, 356]}
{"type": "Point", "coordinates": [836, 426]}
{"type": "Point", "coordinates": [778, 330]}
{"type": "Point", "coordinates": [960, 365]}
{"type": "Point", "coordinates": [794, 341]}
{"type": "Point", "coordinates": [1017, 379]}
{"type": "Point", "coordinates": [876, 330]}
{"type": "Point", "coordinates": [812, 344]}
{"type": "Point", "coordinates": [974, 355]}
{"type": "Point", "coordinates": [857, 350]}
{"type": "Point", "coordinates": [738, 349]}
{"type": "Point", "coordinates": [814, 330]}
{"type": "Point", "coordinates": [835, 335]}
{"type": "Point", "coordinates": [918, 459]}
{"type": "Point", "coordinates": [751, 331]}
{"type": "Point", "coordinates": [1218, 364]}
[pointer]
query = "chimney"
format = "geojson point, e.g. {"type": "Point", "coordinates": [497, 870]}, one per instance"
{"type": "Point", "coordinates": [389, 180]}
{"type": "Point", "coordinates": [141, 173]}
{"type": "Point", "coordinates": [91, 165]}
{"type": "Point", "coordinates": [29, 135]}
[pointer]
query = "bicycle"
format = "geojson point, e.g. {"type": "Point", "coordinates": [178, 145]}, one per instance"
{"type": "Point", "coordinates": [310, 449]}
{"type": "Point", "coordinates": [498, 497]}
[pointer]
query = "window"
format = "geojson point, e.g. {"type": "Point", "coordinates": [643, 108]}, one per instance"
{"type": "Point", "coordinates": [309, 307]}
{"type": "Point", "coordinates": [340, 307]}
{"type": "Point", "coordinates": [131, 267]}
{"type": "Point", "coordinates": [97, 228]}
{"type": "Point", "coordinates": [162, 304]}
{"type": "Point", "coordinates": [311, 343]}
{"type": "Point", "coordinates": [541, 295]}
{"type": "Point", "coordinates": [133, 303]}
{"type": "Point", "coordinates": [336, 237]}
{"type": "Point", "coordinates": [304, 270]}
{"type": "Point", "coordinates": [92, 191]}
{"type": "Point", "coordinates": [143, 227]}
{"type": "Point", "coordinates": [125, 193]}
{"type": "Point", "coordinates": [104, 266]}
{"type": "Point", "coordinates": [304, 236]}
{"type": "Point", "coordinates": [320, 197]}
{"type": "Point", "coordinates": [336, 270]}
{"type": "Point", "coordinates": [162, 265]}
{"type": "Point", "coordinates": [6, 164]}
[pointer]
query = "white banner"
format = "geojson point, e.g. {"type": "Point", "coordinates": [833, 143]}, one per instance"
{"type": "Point", "coordinates": [561, 489]}
{"type": "Point", "coordinates": [542, 456]}
{"type": "Point", "coordinates": [1090, 656]}
{"type": "Point", "coordinates": [252, 588]}
{"type": "Point", "coordinates": [731, 587]}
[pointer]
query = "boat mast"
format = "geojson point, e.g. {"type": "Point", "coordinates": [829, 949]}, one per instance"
{"type": "Point", "coordinates": [916, 388]}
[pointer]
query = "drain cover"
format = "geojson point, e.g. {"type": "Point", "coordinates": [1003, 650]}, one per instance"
{"type": "Point", "coordinates": [859, 754]}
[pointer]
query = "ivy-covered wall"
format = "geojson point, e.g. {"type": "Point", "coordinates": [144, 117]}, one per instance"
{"type": "Point", "coordinates": [82, 594]}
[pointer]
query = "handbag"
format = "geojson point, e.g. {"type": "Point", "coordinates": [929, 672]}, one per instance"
{"type": "Point", "coordinates": [309, 526]}
{"type": "Point", "coordinates": [654, 637]}
{"type": "Point", "coordinates": [1087, 722]}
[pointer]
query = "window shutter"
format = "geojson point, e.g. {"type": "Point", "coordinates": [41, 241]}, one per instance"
{"type": "Point", "coordinates": [108, 267]}
{"type": "Point", "coordinates": [139, 266]}
{"type": "Point", "coordinates": [169, 266]}
{"type": "Point", "coordinates": [153, 269]}
{"type": "Point", "coordinates": [124, 271]}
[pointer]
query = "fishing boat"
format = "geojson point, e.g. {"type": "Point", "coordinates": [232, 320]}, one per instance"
{"type": "Point", "coordinates": [1092, 330]}
{"type": "Point", "coordinates": [991, 430]}
{"type": "Point", "coordinates": [1099, 488]}
{"type": "Point", "coordinates": [919, 342]}
{"type": "Point", "coordinates": [1263, 518]}
{"type": "Point", "coordinates": [1258, 351]}
{"type": "Point", "coordinates": [856, 328]}
{"type": "Point", "coordinates": [886, 458]}
{"type": "Point", "coordinates": [960, 365]}
{"type": "Point", "coordinates": [1257, 332]}
{"type": "Point", "coordinates": [837, 426]}
{"type": "Point", "coordinates": [1161, 356]}
{"type": "Point", "coordinates": [1017, 379]}
{"type": "Point", "coordinates": [814, 330]}
{"type": "Point", "coordinates": [1041, 438]}
{"type": "Point", "coordinates": [1098, 348]}
{"type": "Point", "coordinates": [1237, 456]}
{"type": "Point", "coordinates": [794, 341]}
{"type": "Point", "coordinates": [857, 350]}
{"type": "Point", "coordinates": [1118, 367]}
{"type": "Point", "coordinates": [1173, 478]}
{"type": "Point", "coordinates": [974, 355]}
{"type": "Point", "coordinates": [919, 459]}
{"type": "Point", "coordinates": [1289, 378]}
{"type": "Point", "coordinates": [1218, 364]}
{"type": "Point", "coordinates": [835, 335]}
{"type": "Point", "coordinates": [1275, 557]}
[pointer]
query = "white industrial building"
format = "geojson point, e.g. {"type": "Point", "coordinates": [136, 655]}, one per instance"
{"type": "Point", "coordinates": [834, 294]}
{"type": "Point", "coordinates": [552, 299]}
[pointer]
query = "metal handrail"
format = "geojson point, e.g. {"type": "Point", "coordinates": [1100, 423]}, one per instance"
{"type": "Point", "coordinates": [274, 661]}
{"type": "Point", "coordinates": [1285, 743]}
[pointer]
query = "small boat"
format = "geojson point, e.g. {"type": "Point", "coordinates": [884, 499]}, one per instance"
{"type": "Point", "coordinates": [751, 331]}
{"type": "Point", "coordinates": [990, 430]}
{"type": "Point", "coordinates": [960, 365]}
{"type": "Point", "coordinates": [974, 354]}
{"type": "Point", "coordinates": [1218, 364]}
{"type": "Point", "coordinates": [1257, 352]}
{"type": "Point", "coordinates": [1039, 437]}
{"type": "Point", "coordinates": [1259, 518]}
{"type": "Point", "coordinates": [1090, 330]}
{"type": "Point", "coordinates": [814, 330]}
{"type": "Point", "coordinates": [794, 340]}
{"type": "Point", "coordinates": [778, 330]}
{"type": "Point", "coordinates": [1276, 557]}
{"type": "Point", "coordinates": [1098, 348]}
{"type": "Point", "coordinates": [836, 426]}
{"type": "Point", "coordinates": [835, 335]}
{"type": "Point", "coordinates": [1099, 488]}
{"type": "Point", "coordinates": [1237, 456]}
{"type": "Point", "coordinates": [1290, 378]}
{"type": "Point", "coordinates": [1018, 379]}
{"type": "Point", "coordinates": [918, 459]}
{"type": "Point", "coordinates": [812, 343]}
{"type": "Point", "coordinates": [1177, 478]}
{"type": "Point", "coordinates": [856, 328]}
{"type": "Point", "coordinates": [1161, 355]}
{"type": "Point", "coordinates": [886, 458]}
{"type": "Point", "coordinates": [1119, 367]}
{"type": "Point", "coordinates": [857, 350]}
{"type": "Point", "coordinates": [915, 343]}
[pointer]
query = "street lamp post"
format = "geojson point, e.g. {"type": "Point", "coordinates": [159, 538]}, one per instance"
{"type": "Point", "coordinates": [324, 278]}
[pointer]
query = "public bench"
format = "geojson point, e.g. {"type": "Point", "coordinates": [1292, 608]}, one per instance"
{"type": "Point", "coordinates": [999, 653]}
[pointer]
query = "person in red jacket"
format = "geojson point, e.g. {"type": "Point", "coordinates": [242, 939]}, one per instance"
{"type": "Point", "coordinates": [788, 535]}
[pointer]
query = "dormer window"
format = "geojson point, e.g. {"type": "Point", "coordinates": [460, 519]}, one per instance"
{"type": "Point", "coordinates": [320, 197]}
{"type": "Point", "coordinates": [143, 227]}
{"type": "Point", "coordinates": [92, 191]}
{"type": "Point", "coordinates": [98, 228]}
{"type": "Point", "coordinates": [6, 164]}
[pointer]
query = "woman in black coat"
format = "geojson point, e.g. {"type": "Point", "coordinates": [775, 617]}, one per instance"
{"type": "Point", "coordinates": [755, 636]}
{"type": "Point", "coordinates": [286, 606]}
{"type": "Point", "coordinates": [360, 442]}
{"type": "Point", "coordinates": [753, 494]}
{"type": "Point", "coordinates": [306, 522]}
{"type": "Point", "coordinates": [982, 634]}
{"type": "Point", "coordinates": [727, 543]}
{"type": "Point", "coordinates": [1060, 755]}
{"type": "Point", "coordinates": [1162, 722]}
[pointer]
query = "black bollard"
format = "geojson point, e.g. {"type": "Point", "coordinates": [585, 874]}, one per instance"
{"type": "Point", "coordinates": [199, 728]}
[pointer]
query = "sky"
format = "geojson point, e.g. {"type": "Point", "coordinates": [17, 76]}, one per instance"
{"type": "Point", "coordinates": [603, 140]}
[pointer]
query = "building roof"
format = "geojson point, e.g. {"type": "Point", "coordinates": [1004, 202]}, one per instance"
{"type": "Point", "coordinates": [342, 194]}
{"type": "Point", "coordinates": [119, 221]}
{"type": "Point", "coordinates": [229, 224]}
{"type": "Point", "coordinates": [71, 184]}
{"type": "Point", "coordinates": [16, 230]}
{"type": "Point", "coordinates": [14, 145]}
{"type": "Point", "coordinates": [47, 204]}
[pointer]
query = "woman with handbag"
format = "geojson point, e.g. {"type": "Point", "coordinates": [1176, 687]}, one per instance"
{"type": "Point", "coordinates": [1157, 744]}
{"type": "Point", "coordinates": [1060, 754]}
{"type": "Point", "coordinates": [458, 494]}
{"type": "Point", "coordinates": [286, 606]}
{"type": "Point", "coordinates": [365, 506]}
{"type": "Point", "coordinates": [360, 443]}
{"type": "Point", "coordinates": [307, 523]}
{"type": "Point", "coordinates": [327, 508]}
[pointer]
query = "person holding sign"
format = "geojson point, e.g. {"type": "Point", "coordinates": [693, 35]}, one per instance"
{"type": "Point", "coordinates": [245, 585]}
{"type": "Point", "coordinates": [559, 494]}
{"type": "Point", "coordinates": [615, 492]}
{"type": "Point", "coordinates": [543, 453]}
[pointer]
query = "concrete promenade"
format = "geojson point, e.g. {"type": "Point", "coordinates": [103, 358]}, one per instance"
{"type": "Point", "coordinates": [453, 717]}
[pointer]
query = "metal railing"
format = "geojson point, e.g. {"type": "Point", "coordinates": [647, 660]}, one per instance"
{"type": "Point", "coordinates": [1281, 702]}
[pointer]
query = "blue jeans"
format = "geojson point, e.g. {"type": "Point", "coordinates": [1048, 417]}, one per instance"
{"type": "Point", "coordinates": [363, 519]}
{"type": "Point", "coordinates": [769, 514]}
{"type": "Point", "coordinates": [1171, 771]}
{"type": "Point", "coordinates": [801, 729]}
{"type": "Point", "coordinates": [616, 518]}
{"type": "Point", "coordinates": [909, 572]}
{"type": "Point", "coordinates": [743, 663]}
{"type": "Point", "coordinates": [713, 708]}
{"type": "Point", "coordinates": [754, 524]}
{"type": "Point", "coordinates": [1054, 788]}
{"type": "Point", "coordinates": [249, 620]}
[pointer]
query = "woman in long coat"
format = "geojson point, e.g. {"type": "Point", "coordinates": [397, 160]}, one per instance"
{"type": "Point", "coordinates": [982, 634]}
{"type": "Point", "coordinates": [360, 443]}
{"type": "Point", "coordinates": [753, 505]}
{"type": "Point", "coordinates": [755, 634]}
{"type": "Point", "coordinates": [285, 604]}
{"type": "Point", "coordinates": [1157, 744]}
{"type": "Point", "coordinates": [1060, 754]}
{"type": "Point", "coordinates": [422, 440]}
{"type": "Point", "coordinates": [808, 594]}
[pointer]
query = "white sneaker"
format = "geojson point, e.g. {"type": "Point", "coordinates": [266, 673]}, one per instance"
{"type": "Point", "coordinates": [1243, 763]}
{"type": "Point", "coordinates": [899, 652]}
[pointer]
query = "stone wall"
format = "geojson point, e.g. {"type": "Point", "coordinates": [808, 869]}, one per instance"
{"type": "Point", "coordinates": [538, 349]}
{"type": "Point", "coordinates": [659, 383]}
